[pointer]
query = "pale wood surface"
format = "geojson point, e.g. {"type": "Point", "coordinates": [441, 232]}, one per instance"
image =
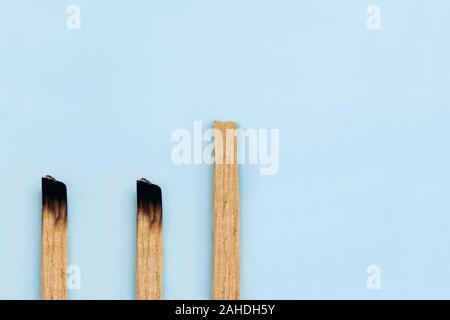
{"type": "Point", "coordinates": [149, 255]}
{"type": "Point", "coordinates": [54, 251]}
{"type": "Point", "coordinates": [226, 260]}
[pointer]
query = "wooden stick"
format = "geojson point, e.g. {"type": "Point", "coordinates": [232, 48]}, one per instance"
{"type": "Point", "coordinates": [54, 239]}
{"type": "Point", "coordinates": [225, 282]}
{"type": "Point", "coordinates": [149, 258]}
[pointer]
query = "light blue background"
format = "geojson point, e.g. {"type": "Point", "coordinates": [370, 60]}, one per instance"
{"type": "Point", "coordinates": [364, 122]}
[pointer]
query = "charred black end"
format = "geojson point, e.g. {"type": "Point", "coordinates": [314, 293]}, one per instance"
{"type": "Point", "coordinates": [54, 195]}
{"type": "Point", "coordinates": [148, 194]}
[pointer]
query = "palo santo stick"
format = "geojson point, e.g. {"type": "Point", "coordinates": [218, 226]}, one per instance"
{"type": "Point", "coordinates": [149, 244]}
{"type": "Point", "coordinates": [54, 239]}
{"type": "Point", "coordinates": [226, 281]}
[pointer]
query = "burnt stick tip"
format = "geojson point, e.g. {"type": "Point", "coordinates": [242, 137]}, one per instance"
{"type": "Point", "coordinates": [148, 193]}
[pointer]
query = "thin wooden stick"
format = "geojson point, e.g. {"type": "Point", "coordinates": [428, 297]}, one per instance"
{"type": "Point", "coordinates": [226, 281]}
{"type": "Point", "coordinates": [54, 239]}
{"type": "Point", "coordinates": [149, 257]}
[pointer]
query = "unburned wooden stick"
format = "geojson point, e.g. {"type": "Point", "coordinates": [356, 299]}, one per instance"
{"type": "Point", "coordinates": [149, 245]}
{"type": "Point", "coordinates": [226, 281]}
{"type": "Point", "coordinates": [54, 239]}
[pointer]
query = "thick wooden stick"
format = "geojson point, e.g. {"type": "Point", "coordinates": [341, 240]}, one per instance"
{"type": "Point", "coordinates": [54, 239]}
{"type": "Point", "coordinates": [149, 255]}
{"type": "Point", "coordinates": [226, 264]}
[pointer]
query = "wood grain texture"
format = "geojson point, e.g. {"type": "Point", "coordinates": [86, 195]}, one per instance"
{"type": "Point", "coordinates": [226, 259]}
{"type": "Point", "coordinates": [54, 240]}
{"type": "Point", "coordinates": [149, 255]}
